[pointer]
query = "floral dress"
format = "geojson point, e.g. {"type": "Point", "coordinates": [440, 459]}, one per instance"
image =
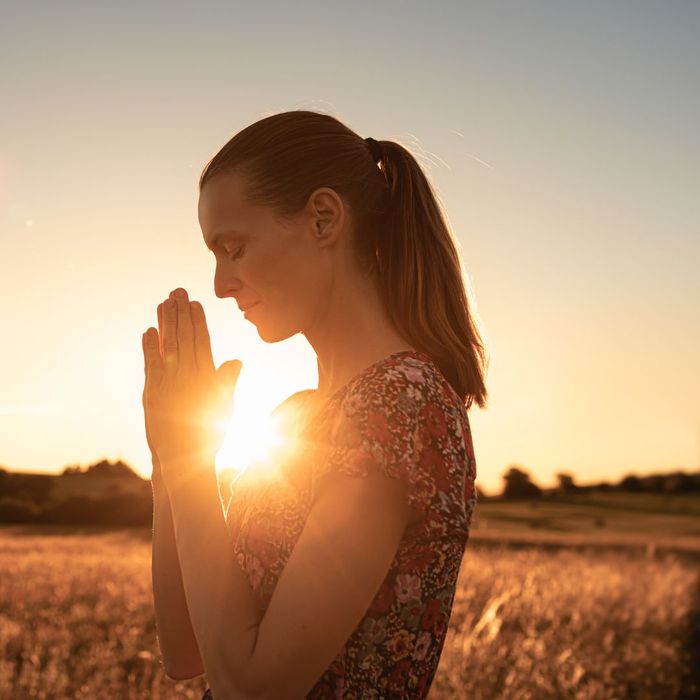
{"type": "Point", "coordinates": [399, 416]}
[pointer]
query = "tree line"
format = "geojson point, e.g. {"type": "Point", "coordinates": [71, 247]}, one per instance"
{"type": "Point", "coordinates": [518, 484]}
{"type": "Point", "coordinates": [113, 494]}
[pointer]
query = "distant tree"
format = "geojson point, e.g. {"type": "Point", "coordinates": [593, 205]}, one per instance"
{"type": "Point", "coordinates": [566, 483]}
{"type": "Point", "coordinates": [72, 470]}
{"type": "Point", "coordinates": [101, 468]}
{"type": "Point", "coordinates": [680, 482]}
{"type": "Point", "coordinates": [518, 485]}
{"type": "Point", "coordinates": [604, 486]}
{"type": "Point", "coordinates": [75, 510]}
{"type": "Point", "coordinates": [654, 483]}
{"type": "Point", "coordinates": [15, 510]}
{"type": "Point", "coordinates": [105, 468]}
{"type": "Point", "coordinates": [631, 483]}
{"type": "Point", "coordinates": [480, 495]}
{"type": "Point", "coordinates": [35, 488]}
{"type": "Point", "coordinates": [117, 510]}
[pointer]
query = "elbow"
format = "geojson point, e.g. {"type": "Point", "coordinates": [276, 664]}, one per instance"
{"type": "Point", "coordinates": [238, 688]}
{"type": "Point", "coordinates": [181, 662]}
{"type": "Point", "coordinates": [183, 671]}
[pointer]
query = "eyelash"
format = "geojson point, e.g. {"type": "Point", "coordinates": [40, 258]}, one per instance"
{"type": "Point", "coordinates": [237, 254]}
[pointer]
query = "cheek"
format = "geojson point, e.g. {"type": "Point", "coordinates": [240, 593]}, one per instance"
{"type": "Point", "coordinates": [289, 272]}
{"type": "Point", "coordinates": [298, 290]}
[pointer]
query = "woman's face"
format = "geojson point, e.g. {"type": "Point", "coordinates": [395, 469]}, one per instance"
{"type": "Point", "coordinates": [276, 266]}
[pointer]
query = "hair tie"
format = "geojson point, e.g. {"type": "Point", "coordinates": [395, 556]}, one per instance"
{"type": "Point", "coordinates": [374, 148]}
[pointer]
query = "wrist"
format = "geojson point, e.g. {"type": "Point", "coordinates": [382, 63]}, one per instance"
{"type": "Point", "coordinates": [181, 466]}
{"type": "Point", "coordinates": [181, 477]}
{"type": "Point", "coordinates": [156, 474]}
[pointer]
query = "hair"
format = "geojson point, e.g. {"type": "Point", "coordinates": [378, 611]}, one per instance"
{"type": "Point", "coordinates": [401, 237]}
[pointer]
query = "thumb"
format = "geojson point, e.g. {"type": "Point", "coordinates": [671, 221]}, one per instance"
{"type": "Point", "coordinates": [227, 375]}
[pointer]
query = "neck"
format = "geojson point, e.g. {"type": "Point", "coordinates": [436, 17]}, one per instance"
{"type": "Point", "coordinates": [352, 333]}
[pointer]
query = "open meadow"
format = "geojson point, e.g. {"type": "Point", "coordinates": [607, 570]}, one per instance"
{"type": "Point", "coordinates": [76, 620]}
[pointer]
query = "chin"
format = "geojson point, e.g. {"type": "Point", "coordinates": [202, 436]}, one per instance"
{"type": "Point", "coordinates": [276, 328]}
{"type": "Point", "coordinates": [271, 334]}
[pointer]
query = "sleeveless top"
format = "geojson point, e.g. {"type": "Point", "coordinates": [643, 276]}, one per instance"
{"type": "Point", "coordinates": [399, 416]}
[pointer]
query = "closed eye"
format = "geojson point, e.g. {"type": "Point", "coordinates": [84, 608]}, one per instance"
{"type": "Point", "coordinates": [237, 254]}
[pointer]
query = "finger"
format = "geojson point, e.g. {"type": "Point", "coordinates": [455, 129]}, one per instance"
{"type": "Point", "coordinates": [153, 364]}
{"type": "Point", "coordinates": [202, 341]}
{"type": "Point", "coordinates": [169, 342]}
{"type": "Point", "coordinates": [185, 331]}
{"type": "Point", "coordinates": [160, 329]}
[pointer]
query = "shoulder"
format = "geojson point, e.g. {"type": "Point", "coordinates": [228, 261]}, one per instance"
{"type": "Point", "coordinates": [294, 399]}
{"type": "Point", "coordinates": [286, 418]}
{"type": "Point", "coordinates": [286, 412]}
{"type": "Point", "coordinates": [396, 408]}
{"type": "Point", "coordinates": [402, 383]}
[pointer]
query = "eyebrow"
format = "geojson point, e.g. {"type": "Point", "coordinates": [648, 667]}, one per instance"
{"type": "Point", "coordinates": [228, 235]}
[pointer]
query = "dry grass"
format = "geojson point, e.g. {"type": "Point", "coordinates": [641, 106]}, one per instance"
{"type": "Point", "coordinates": [568, 624]}
{"type": "Point", "coordinates": [76, 621]}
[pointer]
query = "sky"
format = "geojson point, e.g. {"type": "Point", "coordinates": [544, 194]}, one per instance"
{"type": "Point", "coordinates": [561, 139]}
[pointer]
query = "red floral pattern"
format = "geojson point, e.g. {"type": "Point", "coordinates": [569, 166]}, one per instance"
{"type": "Point", "coordinates": [402, 417]}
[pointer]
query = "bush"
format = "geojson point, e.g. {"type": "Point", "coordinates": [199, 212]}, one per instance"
{"type": "Point", "coordinates": [15, 510]}
{"type": "Point", "coordinates": [120, 509]}
{"type": "Point", "coordinates": [519, 486]}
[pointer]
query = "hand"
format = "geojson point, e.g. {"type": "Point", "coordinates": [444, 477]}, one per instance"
{"type": "Point", "coordinates": [155, 462]}
{"type": "Point", "coordinates": [156, 475]}
{"type": "Point", "coordinates": [186, 400]}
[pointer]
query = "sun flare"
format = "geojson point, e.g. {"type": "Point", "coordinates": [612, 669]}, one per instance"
{"type": "Point", "coordinates": [256, 434]}
{"type": "Point", "coordinates": [251, 438]}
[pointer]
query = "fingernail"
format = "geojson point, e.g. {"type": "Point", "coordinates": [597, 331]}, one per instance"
{"type": "Point", "coordinates": [179, 292]}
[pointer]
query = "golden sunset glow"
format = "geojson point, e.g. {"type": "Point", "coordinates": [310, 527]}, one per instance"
{"type": "Point", "coordinates": [160, 537]}
{"type": "Point", "coordinates": [253, 435]}
{"type": "Point", "coordinates": [577, 223]}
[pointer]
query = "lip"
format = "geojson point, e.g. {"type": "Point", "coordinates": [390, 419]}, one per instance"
{"type": "Point", "coordinates": [246, 313]}
{"type": "Point", "coordinates": [245, 307]}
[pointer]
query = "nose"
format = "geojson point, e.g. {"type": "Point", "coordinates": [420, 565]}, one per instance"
{"type": "Point", "coordinates": [225, 285]}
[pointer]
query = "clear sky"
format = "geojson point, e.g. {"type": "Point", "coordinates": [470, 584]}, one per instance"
{"type": "Point", "coordinates": [561, 137]}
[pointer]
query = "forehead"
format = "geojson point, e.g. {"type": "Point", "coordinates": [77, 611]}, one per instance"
{"type": "Point", "coordinates": [225, 212]}
{"type": "Point", "coordinates": [221, 200]}
{"type": "Point", "coordinates": [223, 209]}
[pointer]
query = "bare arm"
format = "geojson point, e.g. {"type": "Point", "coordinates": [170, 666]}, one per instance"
{"type": "Point", "coordinates": [178, 644]}
{"type": "Point", "coordinates": [356, 526]}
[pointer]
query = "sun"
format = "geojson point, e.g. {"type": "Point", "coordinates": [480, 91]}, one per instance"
{"type": "Point", "coordinates": [251, 438]}
{"type": "Point", "coordinates": [253, 434]}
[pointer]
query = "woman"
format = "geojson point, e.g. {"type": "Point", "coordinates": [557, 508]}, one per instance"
{"type": "Point", "coordinates": [333, 574]}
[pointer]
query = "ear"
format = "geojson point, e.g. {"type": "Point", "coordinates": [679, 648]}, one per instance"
{"type": "Point", "coordinates": [327, 215]}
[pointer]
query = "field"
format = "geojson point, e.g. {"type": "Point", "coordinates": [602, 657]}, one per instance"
{"type": "Point", "coordinates": [612, 620]}
{"type": "Point", "coordinates": [645, 523]}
